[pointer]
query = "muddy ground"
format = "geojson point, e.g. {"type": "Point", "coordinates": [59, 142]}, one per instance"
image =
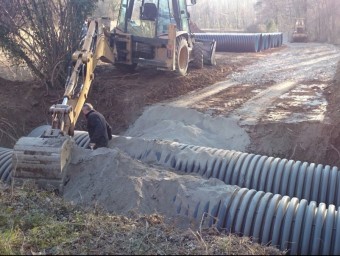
{"type": "Point", "coordinates": [285, 98]}
{"type": "Point", "coordinates": [282, 102]}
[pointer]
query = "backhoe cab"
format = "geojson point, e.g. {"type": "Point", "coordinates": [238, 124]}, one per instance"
{"type": "Point", "coordinates": [157, 33]}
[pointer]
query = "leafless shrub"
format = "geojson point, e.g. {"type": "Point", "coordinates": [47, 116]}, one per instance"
{"type": "Point", "coordinates": [43, 34]}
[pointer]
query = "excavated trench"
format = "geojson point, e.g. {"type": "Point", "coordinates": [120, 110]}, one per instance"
{"type": "Point", "coordinates": [291, 204]}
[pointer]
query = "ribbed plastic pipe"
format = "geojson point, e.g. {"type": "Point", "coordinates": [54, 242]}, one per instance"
{"type": "Point", "coordinates": [81, 138]}
{"type": "Point", "coordinates": [264, 42]}
{"type": "Point", "coordinates": [5, 164]}
{"type": "Point", "coordinates": [275, 39]}
{"type": "Point", "coordinates": [272, 219]}
{"type": "Point", "coordinates": [242, 42]}
{"type": "Point", "coordinates": [310, 181]}
{"type": "Point", "coordinates": [232, 42]}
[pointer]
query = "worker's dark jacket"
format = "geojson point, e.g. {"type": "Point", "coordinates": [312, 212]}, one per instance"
{"type": "Point", "coordinates": [99, 130]}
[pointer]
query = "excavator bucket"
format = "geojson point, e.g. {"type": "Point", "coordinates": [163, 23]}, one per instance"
{"type": "Point", "coordinates": [42, 160]}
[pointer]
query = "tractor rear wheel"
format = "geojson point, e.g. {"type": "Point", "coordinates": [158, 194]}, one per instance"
{"type": "Point", "coordinates": [182, 56]}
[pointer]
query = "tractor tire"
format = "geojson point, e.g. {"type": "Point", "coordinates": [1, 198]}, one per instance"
{"type": "Point", "coordinates": [182, 56]}
{"type": "Point", "coordinates": [197, 53]}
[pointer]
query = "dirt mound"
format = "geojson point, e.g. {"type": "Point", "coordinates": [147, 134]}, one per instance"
{"type": "Point", "coordinates": [119, 184]}
{"type": "Point", "coordinates": [189, 126]}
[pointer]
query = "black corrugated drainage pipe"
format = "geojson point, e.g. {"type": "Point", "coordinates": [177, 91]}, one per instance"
{"type": "Point", "coordinates": [5, 164]}
{"type": "Point", "coordinates": [275, 39]}
{"type": "Point", "coordinates": [264, 42]}
{"type": "Point", "coordinates": [232, 42]}
{"type": "Point", "coordinates": [82, 139]}
{"type": "Point", "coordinates": [269, 219]}
{"type": "Point", "coordinates": [310, 181]}
{"type": "Point", "coordinates": [313, 182]}
{"type": "Point", "coordinates": [242, 42]}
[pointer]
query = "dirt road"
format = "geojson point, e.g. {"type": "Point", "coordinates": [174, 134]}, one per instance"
{"type": "Point", "coordinates": [296, 77]}
{"type": "Point", "coordinates": [281, 100]}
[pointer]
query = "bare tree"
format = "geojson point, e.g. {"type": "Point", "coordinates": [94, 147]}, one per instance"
{"type": "Point", "coordinates": [324, 22]}
{"type": "Point", "coordinates": [226, 15]}
{"type": "Point", "coordinates": [108, 8]}
{"type": "Point", "coordinates": [43, 34]}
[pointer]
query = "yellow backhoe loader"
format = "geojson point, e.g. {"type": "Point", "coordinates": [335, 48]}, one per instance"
{"type": "Point", "coordinates": [300, 33]}
{"type": "Point", "coordinates": [153, 33]}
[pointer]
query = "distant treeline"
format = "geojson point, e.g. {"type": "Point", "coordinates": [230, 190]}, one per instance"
{"type": "Point", "coordinates": [322, 16]}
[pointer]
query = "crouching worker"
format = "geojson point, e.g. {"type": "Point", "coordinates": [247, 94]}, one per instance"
{"type": "Point", "coordinates": [98, 128]}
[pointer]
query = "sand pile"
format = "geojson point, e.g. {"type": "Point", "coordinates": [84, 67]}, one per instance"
{"type": "Point", "coordinates": [112, 180]}
{"type": "Point", "coordinates": [189, 126]}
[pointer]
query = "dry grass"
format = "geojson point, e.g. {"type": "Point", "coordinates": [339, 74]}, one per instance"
{"type": "Point", "coordinates": [38, 222]}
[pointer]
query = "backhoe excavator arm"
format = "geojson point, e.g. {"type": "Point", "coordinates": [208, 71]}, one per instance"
{"type": "Point", "coordinates": [44, 160]}
{"type": "Point", "coordinates": [95, 47]}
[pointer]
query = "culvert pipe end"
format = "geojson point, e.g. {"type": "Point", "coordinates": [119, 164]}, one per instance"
{"type": "Point", "coordinates": [289, 224]}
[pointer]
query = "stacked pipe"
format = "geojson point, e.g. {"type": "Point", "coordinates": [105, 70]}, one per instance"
{"type": "Point", "coordinates": [275, 39]}
{"type": "Point", "coordinates": [242, 42]}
